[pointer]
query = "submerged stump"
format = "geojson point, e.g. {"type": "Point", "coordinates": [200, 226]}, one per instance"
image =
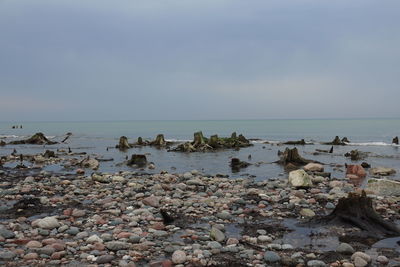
{"type": "Point", "coordinates": [292, 156]}
{"type": "Point", "coordinates": [139, 160]}
{"type": "Point", "coordinates": [159, 141]}
{"type": "Point", "coordinates": [395, 140]}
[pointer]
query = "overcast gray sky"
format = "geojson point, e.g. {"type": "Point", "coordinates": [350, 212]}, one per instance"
{"type": "Point", "coordinates": [208, 59]}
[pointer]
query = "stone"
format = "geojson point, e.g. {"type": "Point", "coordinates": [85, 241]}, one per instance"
{"type": "Point", "coordinates": [382, 171]}
{"type": "Point", "coordinates": [345, 248]}
{"type": "Point", "coordinates": [73, 231]}
{"type": "Point", "coordinates": [361, 255]}
{"type": "Point", "coordinates": [7, 255]}
{"type": "Point", "coordinates": [264, 238]}
{"type": "Point", "coordinates": [47, 223]}
{"type": "Point", "coordinates": [355, 172]}
{"type": "Point", "coordinates": [217, 235]}
{"type": "Point", "coordinates": [382, 259]}
{"type": "Point", "coordinates": [104, 259]}
{"type": "Point", "coordinates": [271, 257]}
{"type": "Point", "coordinates": [300, 178]}
{"type": "Point", "coordinates": [214, 245]}
{"type": "Point", "coordinates": [152, 201]}
{"type": "Point", "coordinates": [33, 244]}
{"type": "Point", "coordinates": [31, 256]}
{"type": "Point", "coordinates": [90, 163]}
{"type": "Point", "coordinates": [179, 257]}
{"type": "Point", "coordinates": [307, 213]}
{"type": "Point", "coordinates": [78, 213]}
{"type": "Point", "coordinates": [7, 234]}
{"type": "Point", "coordinates": [383, 187]}
{"type": "Point", "coordinates": [316, 263]}
{"type": "Point", "coordinates": [187, 175]}
{"type": "Point", "coordinates": [224, 215]}
{"type": "Point", "coordinates": [360, 262]}
{"type": "Point", "coordinates": [117, 245]}
{"type": "Point", "coordinates": [94, 239]}
{"type": "Point", "coordinates": [314, 167]}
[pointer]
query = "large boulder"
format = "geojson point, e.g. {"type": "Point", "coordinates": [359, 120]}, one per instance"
{"type": "Point", "coordinates": [300, 179]}
{"type": "Point", "coordinates": [384, 187]}
{"type": "Point", "coordinates": [382, 171]}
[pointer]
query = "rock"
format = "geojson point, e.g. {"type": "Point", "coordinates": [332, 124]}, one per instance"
{"type": "Point", "coordinates": [104, 259]}
{"type": "Point", "coordinates": [118, 179]}
{"type": "Point", "coordinates": [264, 238]}
{"type": "Point", "coordinates": [361, 255]}
{"type": "Point", "coordinates": [217, 235]}
{"type": "Point", "coordinates": [73, 231]}
{"type": "Point", "coordinates": [360, 262]}
{"type": "Point", "coordinates": [383, 187]}
{"type": "Point", "coordinates": [300, 178]}
{"type": "Point", "coordinates": [316, 263]}
{"type": "Point", "coordinates": [117, 245]}
{"type": "Point", "coordinates": [7, 255]}
{"type": "Point", "coordinates": [47, 223]}
{"type": "Point", "coordinates": [214, 245]}
{"type": "Point", "coordinates": [224, 215]}
{"type": "Point", "coordinates": [355, 171]}
{"type": "Point", "coordinates": [382, 171]}
{"type": "Point", "coordinates": [307, 213]}
{"type": "Point", "coordinates": [152, 201]}
{"type": "Point", "coordinates": [90, 163]}
{"type": "Point", "coordinates": [138, 160]}
{"type": "Point", "coordinates": [382, 260]}
{"type": "Point", "coordinates": [179, 257]}
{"type": "Point", "coordinates": [78, 213]}
{"type": "Point", "coordinates": [7, 234]}
{"type": "Point", "coordinates": [345, 248]}
{"type": "Point", "coordinates": [100, 178]}
{"type": "Point", "coordinates": [31, 256]}
{"type": "Point", "coordinates": [94, 239]}
{"type": "Point", "coordinates": [49, 154]}
{"type": "Point", "coordinates": [187, 175]}
{"type": "Point", "coordinates": [271, 257]}
{"type": "Point", "coordinates": [33, 244]}
{"type": "Point", "coordinates": [314, 167]}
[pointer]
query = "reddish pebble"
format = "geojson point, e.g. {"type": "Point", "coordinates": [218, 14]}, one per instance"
{"type": "Point", "coordinates": [98, 246]}
{"type": "Point", "coordinates": [57, 255]}
{"type": "Point", "coordinates": [124, 235]}
{"type": "Point", "coordinates": [58, 246]}
{"type": "Point", "coordinates": [67, 212]}
{"type": "Point", "coordinates": [167, 263]}
{"type": "Point", "coordinates": [31, 256]}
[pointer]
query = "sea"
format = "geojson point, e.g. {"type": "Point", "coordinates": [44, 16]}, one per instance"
{"type": "Point", "coordinates": [99, 138]}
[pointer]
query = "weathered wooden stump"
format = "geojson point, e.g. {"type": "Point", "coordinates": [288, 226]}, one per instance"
{"type": "Point", "coordinates": [139, 160]}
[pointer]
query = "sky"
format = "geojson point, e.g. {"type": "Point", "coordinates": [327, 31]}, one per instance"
{"type": "Point", "coordinates": [72, 60]}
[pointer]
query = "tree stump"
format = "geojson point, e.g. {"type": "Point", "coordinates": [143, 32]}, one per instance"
{"type": "Point", "coordinates": [139, 141]}
{"type": "Point", "coordinates": [357, 210]}
{"type": "Point", "coordinates": [291, 156]}
{"type": "Point", "coordinates": [123, 143]}
{"type": "Point", "coordinates": [213, 141]}
{"type": "Point", "coordinates": [236, 164]}
{"type": "Point", "coordinates": [36, 139]}
{"type": "Point", "coordinates": [138, 160]}
{"type": "Point", "coordinates": [160, 141]}
{"type": "Point", "coordinates": [337, 142]}
{"type": "Point", "coordinates": [49, 154]}
{"type": "Point", "coordinates": [198, 139]}
{"type": "Point", "coordinates": [395, 140]}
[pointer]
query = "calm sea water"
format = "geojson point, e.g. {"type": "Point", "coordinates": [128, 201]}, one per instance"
{"type": "Point", "coordinates": [369, 135]}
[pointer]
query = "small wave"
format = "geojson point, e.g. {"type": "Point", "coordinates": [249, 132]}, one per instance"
{"type": "Point", "coordinates": [8, 136]}
{"type": "Point", "coordinates": [372, 144]}
{"type": "Point", "coordinates": [50, 136]}
{"type": "Point", "coordinates": [177, 140]}
{"type": "Point", "coordinates": [260, 141]}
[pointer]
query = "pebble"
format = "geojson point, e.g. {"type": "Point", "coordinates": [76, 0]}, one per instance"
{"type": "Point", "coordinates": [104, 259]}
{"type": "Point", "coordinates": [179, 257]}
{"type": "Point", "coordinates": [217, 235]}
{"type": "Point", "coordinates": [316, 263]}
{"type": "Point", "coordinates": [271, 257]}
{"type": "Point", "coordinates": [345, 248]}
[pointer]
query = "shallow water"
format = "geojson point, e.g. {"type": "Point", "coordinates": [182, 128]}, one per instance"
{"type": "Point", "coordinates": [94, 137]}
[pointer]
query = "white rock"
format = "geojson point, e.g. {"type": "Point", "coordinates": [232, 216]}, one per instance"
{"type": "Point", "coordinates": [178, 257]}
{"type": "Point", "coordinates": [47, 223]}
{"type": "Point", "coordinates": [299, 178]}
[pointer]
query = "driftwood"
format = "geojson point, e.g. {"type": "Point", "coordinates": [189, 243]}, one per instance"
{"type": "Point", "coordinates": [36, 139]}
{"type": "Point", "coordinates": [292, 156]}
{"type": "Point", "coordinates": [66, 137]}
{"type": "Point", "coordinates": [357, 210]}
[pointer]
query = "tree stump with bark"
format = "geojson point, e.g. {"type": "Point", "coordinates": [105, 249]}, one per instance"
{"type": "Point", "coordinates": [357, 210]}
{"type": "Point", "coordinates": [123, 143]}
{"type": "Point", "coordinates": [292, 156]}
{"type": "Point", "coordinates": [138, 160]}
{"type": "Point", "coordinates": [159, 141]}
